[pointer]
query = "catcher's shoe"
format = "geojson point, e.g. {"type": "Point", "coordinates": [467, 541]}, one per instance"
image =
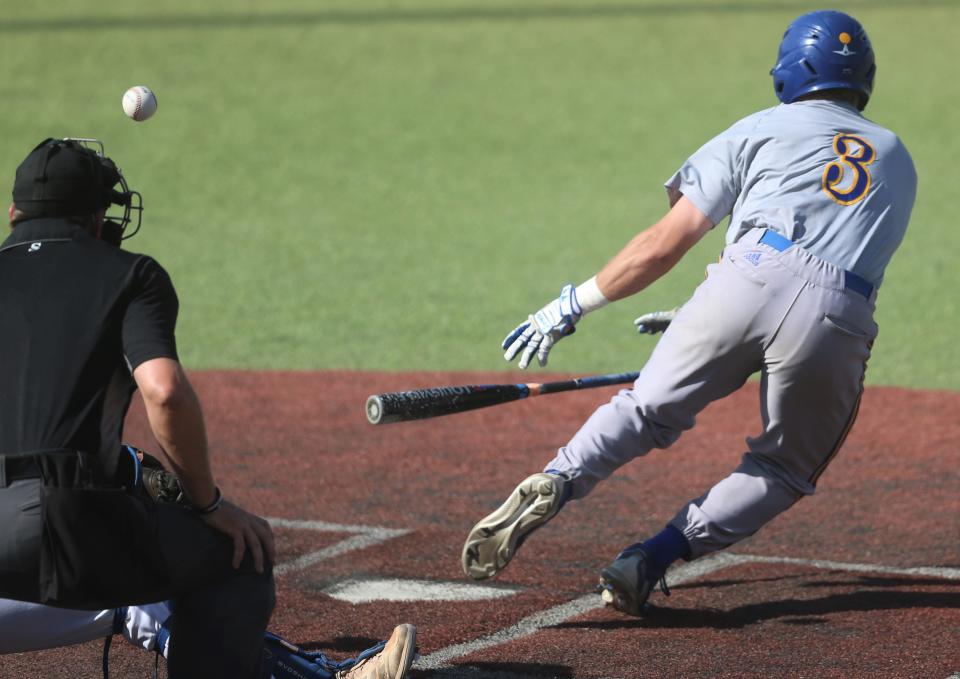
{"type": "Point", "coordinates": [493, 542]}
{"type": "Point", "coordinates": [627, 582]}
{"type": "Point", "coordinates": [392, 662]}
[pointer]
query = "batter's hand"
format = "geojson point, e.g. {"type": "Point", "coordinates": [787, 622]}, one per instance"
{"type": "Point", "coordinates": [248, 531]}
{"type": "Point", "coordinates": [654, 322]}
{"type": "Point", "coordinates": [542, 330]}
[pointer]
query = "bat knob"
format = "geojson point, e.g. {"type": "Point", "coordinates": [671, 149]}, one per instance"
{"type": "Point", "coordinates": [374, 409]}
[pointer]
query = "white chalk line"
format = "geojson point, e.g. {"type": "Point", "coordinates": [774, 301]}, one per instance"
{"type": "Point", "coordinates": [557, 614]}
{"type": "Point", "coordinates": [369, 536]}
{"type": "Point", "coordinates": [440, 659]}
{"type": "Point", "coordinates": [943, 573]}
{"type": "Point", "coordinates": [325, 527]}
{"type": "Point", "coordinates": [363, 537]}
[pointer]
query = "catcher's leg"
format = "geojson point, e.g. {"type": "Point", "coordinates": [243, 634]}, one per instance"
{"type": "Point", "coordinates": [33, 627]}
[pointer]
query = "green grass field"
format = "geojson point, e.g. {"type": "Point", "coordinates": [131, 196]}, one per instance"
{"type": "Point", "coordinates": [395, 185]}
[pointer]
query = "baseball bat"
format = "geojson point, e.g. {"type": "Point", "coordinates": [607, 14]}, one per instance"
{"type": "Point", "coordinates": [402, 406]}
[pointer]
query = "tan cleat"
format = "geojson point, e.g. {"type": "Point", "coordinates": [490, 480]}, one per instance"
{"type": "Point", "coordinates": [393, 662]}
{"type": "Point", "coordinates": [492, 543]}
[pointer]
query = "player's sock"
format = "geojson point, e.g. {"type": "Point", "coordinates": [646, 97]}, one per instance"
{"type": "Point", "coordinates": [666, 547]}
{"type": "Point", "coordinates": [566, 486]}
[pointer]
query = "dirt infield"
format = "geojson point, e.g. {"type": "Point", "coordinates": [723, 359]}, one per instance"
{"type": "Point", "coordinates": [862, 579]}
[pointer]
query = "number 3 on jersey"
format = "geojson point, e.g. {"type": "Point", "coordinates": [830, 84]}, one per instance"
{"type": "Point", "coordinates": [853, 153]}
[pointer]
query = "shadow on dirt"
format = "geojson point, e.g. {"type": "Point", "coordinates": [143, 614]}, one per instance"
{"type": "Point", "coordinates": [494, 670]}
{"type": "Point", "coordinates": [802, 611]}
{"type": "Point", "coordinates": [862, 581]}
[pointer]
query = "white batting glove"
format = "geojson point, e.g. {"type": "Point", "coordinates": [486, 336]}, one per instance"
{"type": "Point", "coordinates": [542, 330]}
{"type": "Point", "coordinates": [654, 322]}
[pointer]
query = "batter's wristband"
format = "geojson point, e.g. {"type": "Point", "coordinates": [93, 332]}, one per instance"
{"type": "Point", "coordinates": [213, 506]}
{"type": "Point", "coordinates": [589, 296]}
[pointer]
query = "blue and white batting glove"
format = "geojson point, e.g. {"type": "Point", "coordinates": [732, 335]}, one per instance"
{"type": "Point", "coordinates": [654, 322]}
{"type": "Point", "coordinates": [542, 330]}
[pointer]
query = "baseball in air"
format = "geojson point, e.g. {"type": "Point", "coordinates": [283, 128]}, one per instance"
{"type": "Point", "coordinates": [139, 102]}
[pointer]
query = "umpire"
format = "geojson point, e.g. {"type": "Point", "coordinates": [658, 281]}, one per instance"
{"type": "Point", "coordinates": [83, 324]}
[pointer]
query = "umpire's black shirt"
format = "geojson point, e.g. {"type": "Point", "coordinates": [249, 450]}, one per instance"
{"type": "Point", "coordinates": [77, 316]}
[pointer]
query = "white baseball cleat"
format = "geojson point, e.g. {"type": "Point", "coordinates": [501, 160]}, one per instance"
{"type": "Point", "coordinates": [393, 662]}
{"type": "Point", "coordinates": [494, 540]}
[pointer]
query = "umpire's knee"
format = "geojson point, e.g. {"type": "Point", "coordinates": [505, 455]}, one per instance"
{"type": "Point", "coordinates": [217, 631]}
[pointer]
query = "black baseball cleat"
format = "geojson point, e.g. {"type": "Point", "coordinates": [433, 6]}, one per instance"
{"type": "Point", "coordinates": [494, 540]}
{"type": "Point", "coordinates": [626, 584]}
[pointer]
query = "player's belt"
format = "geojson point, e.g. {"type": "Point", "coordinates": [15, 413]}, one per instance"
{"type": "Point", "coordinates": [851, 281]}
{"type": "Point", "coordinates": [16, 469]}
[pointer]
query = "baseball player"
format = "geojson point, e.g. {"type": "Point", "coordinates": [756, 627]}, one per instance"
{"type": "Point", "coordinates": [819, 198]}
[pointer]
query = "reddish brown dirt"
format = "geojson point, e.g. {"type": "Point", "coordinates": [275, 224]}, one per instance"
{"type": "Point", "coordinates": [297, 446]}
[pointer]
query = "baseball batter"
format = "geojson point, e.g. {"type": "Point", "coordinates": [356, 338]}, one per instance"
{"type": "Point", "coordinates": [819, 199]}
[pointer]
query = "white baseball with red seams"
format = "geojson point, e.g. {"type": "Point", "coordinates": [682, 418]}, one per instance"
{"type": "Point", "coordinates": [139, 102]}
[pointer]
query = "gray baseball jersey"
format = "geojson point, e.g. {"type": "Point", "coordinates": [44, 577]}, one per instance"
{"type": "Point", "coordinates": [819, 199]}
{"type": "Point", "coordinates": [817, 172]}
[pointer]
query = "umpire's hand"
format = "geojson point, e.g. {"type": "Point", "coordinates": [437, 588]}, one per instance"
{"type": "Point", "coordinates": [248, 531]}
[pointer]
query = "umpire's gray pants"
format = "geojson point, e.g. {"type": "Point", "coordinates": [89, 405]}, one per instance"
{"type": "Point", "coordinates": [220, 613]}
{"type": "Point", "coordinates": [786, 314]}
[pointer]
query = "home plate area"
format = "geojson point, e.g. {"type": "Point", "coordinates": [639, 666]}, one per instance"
{"type": "Point", "coordinates": [368, 590]}
{"type": "Point", "coordinates": [861, 579]}
{"type": "Point", "coordinates": [470, 658]}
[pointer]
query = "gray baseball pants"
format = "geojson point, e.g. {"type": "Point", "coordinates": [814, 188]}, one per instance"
{"type": "Point", "coordinates": [785, 314]}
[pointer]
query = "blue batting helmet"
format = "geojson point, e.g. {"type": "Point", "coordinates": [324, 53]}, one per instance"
{"type": "Point", "coordinates": [824, 50]}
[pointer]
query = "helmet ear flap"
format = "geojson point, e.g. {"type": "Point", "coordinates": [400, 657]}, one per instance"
{"type": "Point", "coordinates": [871, 74]}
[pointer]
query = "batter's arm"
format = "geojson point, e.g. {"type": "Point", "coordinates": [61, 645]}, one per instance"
{"type": "Point", "coordinates": [644, 259]}
{"type": "Point", "coordinates": [653, 252]}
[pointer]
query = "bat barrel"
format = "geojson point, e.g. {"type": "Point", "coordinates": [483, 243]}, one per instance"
{"type": "Point", "coordinates": [401, 406]}
{"type": "Point", "coordinates": [375, 414]}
